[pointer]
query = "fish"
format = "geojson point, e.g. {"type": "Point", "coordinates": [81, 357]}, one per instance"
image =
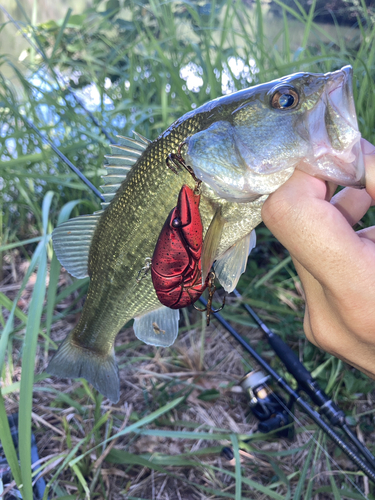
{"type": "Point", "coordinates": [242, 147]}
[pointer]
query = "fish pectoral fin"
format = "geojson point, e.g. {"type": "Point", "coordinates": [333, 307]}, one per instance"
{"type": "Point", "coordinates": [158, 327]}
{"type": "Point", "coordinates": [71, 242]}
{"type": "Point", "coordinates": [100, 370]}
{"type": "Point", "coordinates": [232, 263]}
{"type": "Point", "coordinates": [211, 243]}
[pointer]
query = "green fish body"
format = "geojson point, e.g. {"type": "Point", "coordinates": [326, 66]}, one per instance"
{"type": "Point", "coordinates": [242, 148]}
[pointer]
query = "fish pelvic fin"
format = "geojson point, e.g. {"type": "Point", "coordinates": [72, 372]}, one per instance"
{"type": "Point", "coordinates": [231, 264]}
{"type": "Point", "coordinates": [74, 361]}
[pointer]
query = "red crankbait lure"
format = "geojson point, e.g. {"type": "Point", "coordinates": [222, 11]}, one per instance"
{"type": "Point", "coordinates": [176, 264]}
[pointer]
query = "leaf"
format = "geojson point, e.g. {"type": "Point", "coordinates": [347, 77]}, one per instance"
{"type": "Point", "coordinates": [76, 20]}
{"type": "Point", "coordinates": [209, 395]}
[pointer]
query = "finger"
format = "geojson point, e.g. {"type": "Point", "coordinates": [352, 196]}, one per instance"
{"type": "Point", "coordinates": [318, 311]}
{"type": "Point", "coordinates": [312, 289]}
{"type": "Point", "coordinates": [352, 203]}
{"type": "Point", "coordinates": [368, 233]}
{"type": "Point", "coordinates": [368, 151]}
{"type": "Point", "coordinates": [313, 231]}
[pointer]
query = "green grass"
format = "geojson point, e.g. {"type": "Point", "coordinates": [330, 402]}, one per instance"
{"type": "Point", "coordinates": [134, 56]}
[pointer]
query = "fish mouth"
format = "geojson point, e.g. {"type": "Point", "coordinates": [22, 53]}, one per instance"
{"type": "Point", "coordinates": [334, 132]}
{"type": "Point", "coordinates": [340, 95]}
{"type": "Point", "coordinates": [341, 100]}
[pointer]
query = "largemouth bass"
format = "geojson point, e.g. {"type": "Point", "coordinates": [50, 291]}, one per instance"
{"type": "Point", "coordinates": [243, 147]}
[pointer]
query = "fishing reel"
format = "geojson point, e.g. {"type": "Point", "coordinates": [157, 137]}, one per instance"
{"type": "Point", "coordinates": [266, 405]}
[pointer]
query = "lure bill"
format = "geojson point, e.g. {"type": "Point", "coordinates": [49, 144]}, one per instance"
{"type": "Point", "coordinates": [242, 147]}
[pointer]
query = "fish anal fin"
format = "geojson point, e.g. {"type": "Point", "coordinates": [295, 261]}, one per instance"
{"type": "Point", "coordinates": [211, 243]}
{"type": "Point", "coordinates": [158, 327]}
{"type": "Point", "coordinates": [231, 264]}
{"type": "Point", "coordinates": [71, 243]}
{"type": "Point", "coordinates": [74, 361]}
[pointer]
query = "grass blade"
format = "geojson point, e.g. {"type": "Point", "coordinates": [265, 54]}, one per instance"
{"type": "Point", "coordinates": [82, 481]}
{"type": "Point", "coordinates": [273, 271]}
{"type": "Point", "coordinates": [131, 428]}
{"type": "Point", "coordinates": [27, 377]}
{"type": "Point", "coordinates": [28, 358]}
{"type": "Point", "coordinates": [59, 35]}
{"type": "Point", "coordinates": [302, 479]}
{"type": "Point", "coordinates": [237, 458]}
{"type": "Point", "coordinates": [9, 324]}
{"type": "Point", "coordinates": [335, 489]}
{"type": "Point", "coordinates": [8, 445]}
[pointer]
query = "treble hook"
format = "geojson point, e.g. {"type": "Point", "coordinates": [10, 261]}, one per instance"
{"type": "Point", "coordinates": [176, 160]}
{"type": "Point", "coordinates": [211, 291]}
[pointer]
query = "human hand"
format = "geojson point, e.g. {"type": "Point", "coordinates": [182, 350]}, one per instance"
{"type": "Point", "coordinates": [336, 265]}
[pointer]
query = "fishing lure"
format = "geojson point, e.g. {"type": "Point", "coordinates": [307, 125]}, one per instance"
{"type": "Point", "coordinates": [176, 264]}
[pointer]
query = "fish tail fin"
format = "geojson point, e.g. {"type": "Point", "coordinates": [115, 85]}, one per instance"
{"type": "Point", "coordinates": [74, 361]}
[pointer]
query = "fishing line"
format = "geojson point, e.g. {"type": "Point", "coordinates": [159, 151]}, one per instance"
{"type": "Point", "coordinates": [299, 423]}
{"type": "Point", "coordinates": [308, 384]}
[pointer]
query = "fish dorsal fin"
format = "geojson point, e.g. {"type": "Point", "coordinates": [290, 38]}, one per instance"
{"type": "Point", "coordinates": [158, 327]}
{"type": "Point", "coordinates": [211, 243]}
{"type": "Point", "coordinates": [72, 241]}
{"type": "Point", "coordinates": [232, 263]}
{"type": "Point", "coordinates": [124, 156]}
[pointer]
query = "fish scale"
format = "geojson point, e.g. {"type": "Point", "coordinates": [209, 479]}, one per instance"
{"type": "Point", "coordinates": [242, 147]}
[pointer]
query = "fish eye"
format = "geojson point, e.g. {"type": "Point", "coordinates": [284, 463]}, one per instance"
{"type": "Point", "coordinates": [284, 98]}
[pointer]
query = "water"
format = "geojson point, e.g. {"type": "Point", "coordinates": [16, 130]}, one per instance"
{"type": "Point", "coordinates": [40, 11]}
{"type": "Point", "coordinates": [12, 42]}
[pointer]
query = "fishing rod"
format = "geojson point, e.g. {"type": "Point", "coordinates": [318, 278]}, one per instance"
{"type": "Point", "coordinates": [317, 395]}
{"type": "Point", "coordinates": [305, 381]}
{"type": "Point", "coordinates": [63, 157]}
{"type": "Point", "coordinates": [291, 362]}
